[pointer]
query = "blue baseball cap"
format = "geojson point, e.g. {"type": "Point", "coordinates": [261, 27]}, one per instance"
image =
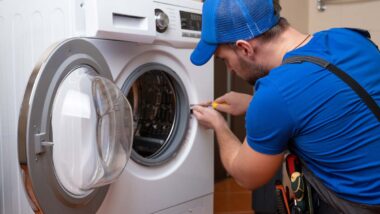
{"type": "Point", "coordinates": [226, 21]}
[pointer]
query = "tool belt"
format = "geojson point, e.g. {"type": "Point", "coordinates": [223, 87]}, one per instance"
{"type": "Point", "coordinates": [311, 196]}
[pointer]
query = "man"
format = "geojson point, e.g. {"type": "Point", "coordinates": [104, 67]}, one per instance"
{"type": "Point", "coordinates": [331, 129]}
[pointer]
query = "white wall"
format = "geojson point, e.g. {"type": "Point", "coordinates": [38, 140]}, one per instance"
{"type": "Point", "coordinates": [355, 13]}
{"type": "Point", "coordinates": [296, 12]}
{"type": "Point", "coordinates": [304, 16]}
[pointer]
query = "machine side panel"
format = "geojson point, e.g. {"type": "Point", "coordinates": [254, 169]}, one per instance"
{"type": "Point", "coordinates": [28, 28]}
{"type": "Point", "coordinates": [2, 68]}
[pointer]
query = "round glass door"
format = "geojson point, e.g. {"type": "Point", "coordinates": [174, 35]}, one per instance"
{"type": "Point", "coordinates": [75, 130]}
{"type": "Point", "coordinates": [90, 122]}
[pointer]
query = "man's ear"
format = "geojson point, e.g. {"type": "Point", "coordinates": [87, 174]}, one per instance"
{"type": "Point", "coordinates": [244, 47]}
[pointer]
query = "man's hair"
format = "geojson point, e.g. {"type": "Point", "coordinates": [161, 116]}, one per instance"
{"type": "Point", "coordinates": [280, 27]}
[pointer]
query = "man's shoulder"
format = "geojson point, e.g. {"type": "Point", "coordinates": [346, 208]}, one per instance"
{"type": "Point", "coordinates": [286, 73]}
{"type": "Point", "coordinates": [344, 30]}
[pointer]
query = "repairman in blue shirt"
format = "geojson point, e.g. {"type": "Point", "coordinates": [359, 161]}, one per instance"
{"type": "Point", "coordinates": [330, 127]}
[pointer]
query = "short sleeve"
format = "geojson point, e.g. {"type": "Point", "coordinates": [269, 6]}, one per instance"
{"type": "Point", "coordinates": [269, 125]}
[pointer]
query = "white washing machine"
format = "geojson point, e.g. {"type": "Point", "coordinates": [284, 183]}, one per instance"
{"type": "Point", "coordinates": [95, 108]}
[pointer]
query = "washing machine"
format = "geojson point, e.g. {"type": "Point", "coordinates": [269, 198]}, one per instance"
{"type": "Point", "coordinates": [95, 108]}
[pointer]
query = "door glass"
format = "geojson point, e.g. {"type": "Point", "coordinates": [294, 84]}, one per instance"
{"type": "Point", "coordinates": [154, 103]}
{"type": "Point", "coordinates": [160, 112]}
{"type": "Point", "coordinates": [92, 131]}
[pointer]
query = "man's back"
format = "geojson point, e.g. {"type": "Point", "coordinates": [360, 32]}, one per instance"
{"type": "Point", "coordinates": [333, 130]}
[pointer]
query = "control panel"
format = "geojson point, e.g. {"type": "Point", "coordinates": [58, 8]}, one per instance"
{"type": "Point", "coordinates": [191, 21]}
{"type": "Point", "coordinates": [178, 22]}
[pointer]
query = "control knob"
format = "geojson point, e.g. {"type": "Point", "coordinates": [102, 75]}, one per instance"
{"type": "Point", "coordinates": [162, 21]}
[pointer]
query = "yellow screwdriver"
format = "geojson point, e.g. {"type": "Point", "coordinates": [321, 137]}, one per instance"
{"type": "Point", "coordinates": [213, 105]}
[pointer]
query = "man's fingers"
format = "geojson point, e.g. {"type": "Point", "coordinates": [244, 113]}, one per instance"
{"type": "Point", "coordinates": [203, 111]}
{"type": "Point", "coordinates": [207, 103]}
{"type": "Point", "coordinates": [199, 111]}
{"type": "Point", "coordinates": [201, 117]}
{"type": "Point", "coordinates": [220, 99]}
{"type": "Point", "coordinates": [198, 108]}
{"type": "Point", "coordinates": [203, 104]}
{"type": "Point", "coordinates": [197, 114]}
{"type": "Point", "coordinates": [223, 108]}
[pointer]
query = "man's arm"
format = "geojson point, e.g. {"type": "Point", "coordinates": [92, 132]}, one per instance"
{"type": "Point", "coordinates": [250, 169]}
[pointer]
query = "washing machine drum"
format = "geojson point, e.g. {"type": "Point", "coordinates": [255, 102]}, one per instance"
{"type": "Point", "coordinates": [160, 111]}
{"type": "Point", "coordinates": [153, 100]}
{"type": "Point", "coordinates": [75, 130]}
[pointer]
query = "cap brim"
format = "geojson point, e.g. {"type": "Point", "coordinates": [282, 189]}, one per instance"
{"type": "Point", "coordinates": [202, 53]}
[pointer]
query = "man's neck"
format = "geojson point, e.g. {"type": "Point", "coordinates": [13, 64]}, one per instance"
{"type": "Point", "coordinates": [289, 40]}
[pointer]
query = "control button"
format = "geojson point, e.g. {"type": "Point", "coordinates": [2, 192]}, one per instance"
{"type": "Point", "coordinates": [162, 20]}
{"type": "Point", "coordinates": [191, 35]}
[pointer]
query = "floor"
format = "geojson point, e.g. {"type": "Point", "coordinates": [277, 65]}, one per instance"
{"type": "Point", "coordinates": [230, 198]}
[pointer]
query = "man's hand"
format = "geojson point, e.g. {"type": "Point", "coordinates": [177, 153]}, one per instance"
{"type": "Point", "coordinates": [209, 118]}
{"type": "Point", "coordinates": [233, 103]}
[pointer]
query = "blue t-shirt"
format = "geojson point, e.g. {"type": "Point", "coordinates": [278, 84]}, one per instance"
{"type": "Point", "coordinates": [332, 129]}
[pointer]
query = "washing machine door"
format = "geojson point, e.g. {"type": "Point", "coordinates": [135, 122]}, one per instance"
{"type": "Point", "coordinates": [75, 130]}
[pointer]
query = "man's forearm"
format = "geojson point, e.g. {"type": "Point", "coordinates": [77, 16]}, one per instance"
{"type": "Point", "coordinates": [229, 146]}
{"type": "Point", "coordinates": [250, 169]}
